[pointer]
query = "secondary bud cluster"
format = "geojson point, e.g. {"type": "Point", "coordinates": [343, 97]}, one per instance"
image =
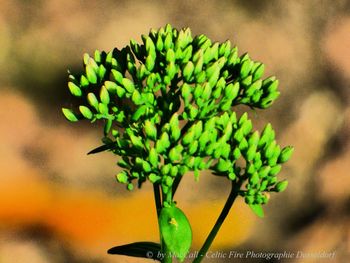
{"type": "Point", "coordinates": [167, 104]}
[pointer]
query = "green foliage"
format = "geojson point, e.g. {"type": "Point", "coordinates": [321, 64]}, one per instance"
{"type": "Point", "coordinates": [176, 231]}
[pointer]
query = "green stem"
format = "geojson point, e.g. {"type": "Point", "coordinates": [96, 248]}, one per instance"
{"type": "Point", "coordinates": [157, 198]}
{"type": "Point", "coordinates": [229, 202]}
{"type": "Point", "coordinates": [158, 201]}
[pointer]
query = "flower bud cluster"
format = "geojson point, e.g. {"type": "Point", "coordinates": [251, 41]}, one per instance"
{"type": "Point", "coordinates": [167, 106]}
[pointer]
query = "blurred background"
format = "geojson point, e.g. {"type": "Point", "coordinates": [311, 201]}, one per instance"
{"type": "Point", "coordinates": [59, 205]}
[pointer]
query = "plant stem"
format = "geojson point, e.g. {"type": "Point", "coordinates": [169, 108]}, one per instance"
{"type": "Point", "coordinates": [229, 202]}
{"type": "Point", "coordinates": [157, 198]}
{"type": "Point", "coordinates": [158, 201]}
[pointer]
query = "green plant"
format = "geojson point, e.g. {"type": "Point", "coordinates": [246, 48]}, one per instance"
{"type": "Point", "coordinates": [167, 105]}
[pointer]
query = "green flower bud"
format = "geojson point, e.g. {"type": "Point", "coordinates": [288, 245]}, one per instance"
{"type": "Point", "coordinates": [128, 85]}
{"type": "Point", "coordinates": [130, 187]}
{"type": "Point", "coordinates": [86, 112]}
{"type": "Point", "coordinates": [69, 115]}
{"type": "Point", "coordinates": [104, 96]}
{"type": "Point", "coordinates": [101, 71]}
{"type": "Point", "coordinates": [246, 82]}
{"type": "Point", "coordinates": [245, 68]}
{"type": "Point", "coordinates": [74, 89]}
{"type": "Point", "coordinates": [267, 135]}
{"type": "Point", "coordinates": [253, 88]}
{"type": "Point", "coordinates": [236, 153]}
{"type": "Point", "coordinates": [103, 109]}
{"type": "Point", "coordinates": [159, 43]}
{"type": "Point", "coordinates": [92, 100]}
{"type": "Point", "coordinates": [154, 178]}
{"type": "Point", "coordinates": [91, 74]}
{"type": "Point", "coordinates": [188, 70]}
{"type": "Point", "coordinates": [168, 41]}
{"type": "Point", "coordinates": [231, 91]}
{"type": "Point", "coordinates": [146, 167]}
{"type": "Point", "coordinates": [150, 62]}
{"type": "Point", "coordinates": [269, 150]}
{"type": "Point", "coordinates": [84, 82]}
{"type": "Point", "coordinates": [206, 91]}
{"type": "Point", "coordinates": [281, 186]}
{"type": "Point", "coordinates": [247, 127]}
{"type": "Point", "coordinates": [233, 57]}
{"type": "Point", "coordinates": [258, 72]}
{"type": "Point", "coordinates": [186, 92]}
{"type": "Point", "coordinates": [137, 141]}
{"type": "Point", "coordinates": [150, 130]}
{"type": "Point", "coordinates": [139, 112]}
{"type": "Point", "coordinates": [251, 152]}
{"type": "Point", "coordinates": [263, 185]}
{"type": "Point", "coordinates": [136, 97]}
{"type": "Point", "coordinates": [250, 169]}
{"type": "Point", "coordinates": [153, 157]}
{"type": "Point", "coordinates": [174, 171]}
{"type": "Point", "coordinates": [225, 48]}
{"type": "Point", "coordinates": [275, 170]}
{"type": "Point", "coordinates": [122, 177]}
{"type": "Point", "coordinates": [254, 179]}
{"type": "Point", "coordinates": [201, 77]}
{"type": "Point", "coordinates": [187, 54]}
{"type": "Point", "coordinates": [223, 165]}
{"type": "Point", "coordinates": [264, 171]}
{"type": "Point", "coordinates": [238, 136]}
{"type": "Point", "coordinates": [232, 176]}
{"type": "Point", "coordinates": [249, 199]}
{"type": "Point", "coordinates": [150, 47]}
{"type": "Point", "coordinates": [166, 169]}
{"type": "Point", "coordinates": [285, 155]}
{"type": "Point", "coordinates": [118, 77]}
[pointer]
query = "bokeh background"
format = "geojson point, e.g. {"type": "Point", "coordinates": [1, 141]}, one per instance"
{"type": "Point", "coordinates": [59, 205]}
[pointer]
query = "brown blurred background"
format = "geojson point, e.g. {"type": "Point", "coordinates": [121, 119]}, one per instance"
{"type": "Point", "coordinates": [59, 205]}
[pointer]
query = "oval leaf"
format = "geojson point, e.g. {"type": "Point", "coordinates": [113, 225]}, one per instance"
{"type": "Point", "coordinates": [176, 231]}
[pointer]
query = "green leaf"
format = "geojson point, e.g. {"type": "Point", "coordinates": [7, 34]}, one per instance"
{"type": "Point", "coordinates": [102, 148]}
{"type": "Point", "coordinates": [257, 209]}
{"type": "Point", "coordinates": [138, 249]}
{"type": "Point", "coordinates": [176, 231]}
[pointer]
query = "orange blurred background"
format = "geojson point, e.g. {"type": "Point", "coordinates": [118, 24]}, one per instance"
{"type": "Point", "coordinates": [59, 205]}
